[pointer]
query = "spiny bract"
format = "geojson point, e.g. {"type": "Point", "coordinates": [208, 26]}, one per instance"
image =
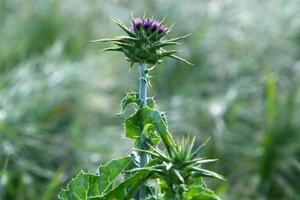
{"type": "Point", "coordinates": [181, 165]}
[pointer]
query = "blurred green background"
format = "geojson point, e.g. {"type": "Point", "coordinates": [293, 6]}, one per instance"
{"type": "Point", "coordinates": [59, 97]}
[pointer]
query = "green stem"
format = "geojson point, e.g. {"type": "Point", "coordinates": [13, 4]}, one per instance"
{"type": "Point", "coordinates": [143, 85]}
{"type": "Point", "coordinates": [143, 157]}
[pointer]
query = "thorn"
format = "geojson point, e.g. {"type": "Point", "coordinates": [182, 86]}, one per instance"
{"type": "Point", "coordinates": [114, 20]}
{"type": "Point", "coordinates": [163, 19]}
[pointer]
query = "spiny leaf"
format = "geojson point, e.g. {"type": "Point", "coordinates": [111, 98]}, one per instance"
{"type": "Point", "coordinates": [167, 53]}
{"type": "Point", "coordinates": [128, 187]}
{"type": "Point", "coordinates": [160, 153]}
{"type": "Point", "coordinates": [112, 49]}
{"type": "Point", "coordinates": [155, 154]}
{"type": "Point", "coordinates": [195, 153]}
{"type": "Point", "coordinates": [191, 145]}
{"type": "Point", "coordinates": [198, 192]}
{"type": "Point", "coordinates": [122, 26]}
{"type": "Point", "coordinates": [86, 185]}
{"type": "Point", "coordinates": [208, 173]}
{"type": "Point", "coordinates": [124, 44]}
{"type": "Point", "coordinates": [149, 133]}
{"type": "Point", "coordinates": [145, 14]}
{"type": "Point", "coordinates": [200, 161]}
{"type": "Point", "coordinates": [151, 169]}
{"type": "Point", "coordinates": [163, 44]}
{"type": "Point", "coordinates": [181, 59]}
{"type": "Point", "coordinates": [146, 115]}
{"type": "Point", "coordinates": [163, 19]}
{"type": "Point", "coordinates": [206, 161]}
{"type": "Point", "coordinates": [132, 16]}
{"type": "Point", "coordinates": [110, 171]}
{"type": "Point", "coordinates": [179, 176]}
{"type": "Point", "coordinates": [132, 127]}
{"type": "Point", "coordinates": [170, 28]}
{"type": "Point", "coordinates": [83, 186]}
{"type": "Point", "coordinates": [178, 38]}
{"type": "Point", "coordinates": [147, 151]}
{"type": "Point", "coordinates": [151, 102]}
{"type": "Point", "coordinates": [119, 38]}
{"type": "Point", "coordinates": [131, 98]}
{"type": "Point", "coordinates": [168, 165]}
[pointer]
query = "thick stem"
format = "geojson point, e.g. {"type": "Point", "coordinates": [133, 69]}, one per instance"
{"type": "Point", "coordinates": [143, 157]}
{"type": "Point", "coordinates": [143, 84]}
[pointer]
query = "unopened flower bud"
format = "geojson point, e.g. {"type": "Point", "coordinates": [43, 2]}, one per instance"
{"type": "Point", "coordinates": [154, 26]}
{"type": "Point", "coordinates": [137, 22]}
{"type": "Point", "coordinates": [162, 29]}
{"type": "Point", "coordinates": [147, 23]}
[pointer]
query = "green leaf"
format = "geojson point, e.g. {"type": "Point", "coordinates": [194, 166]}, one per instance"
{"type": "Point", "coordinates": [178, 38]}
{"type": "Point", "coordinates": [194, 154]}
{"type": "Point", "coordinates": [153, 116]}
{"type": "Point", "coordinates": [117, 39]}
{"type": "Point", "coordinates": [207, 173]}
{"type": "Point", "coordinates": [110, 171]}
{"type": "Point", "coordinates": [122, 26]}
{"type": "Point", "coordinates": [167, 53]}
{"type": "Point", "coordinates": [131, 98]}
{"type": "Point", "coordinates": [128, 187]}
{"type": "Point", "coordinates": [179, 176]}
{"type": "Point", "coordinates": [151, 102]}
{"type": "Point", "coordinates": [150, 134]}
{"type": "Point", "coordinates": [83, 186]}
{"type": "Point", "coordinates": [181, 59]}
{"type": "Point", "coordinates": [135, 124]}
{"type": "Point", "coordinates": [171, 55]}
{"type": "Point", "coordinates": [163, 44]}
{"type": "Point", "coordinates": [133, 127]}
{"type": "Point", "coordinates": [124, 44]}
{"type": "Point", "coordinates": [86, 185]}
{"type": "Point", "coordinates": [200, 193]}
{"type": "Point", "coordinates": [112, 49]}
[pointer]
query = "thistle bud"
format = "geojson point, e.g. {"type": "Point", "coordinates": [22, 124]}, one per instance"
{"type": "Point", "coordinates": [145, 42]}
{"type": "Point", "coordinates": [162, 29]}
{"type": "Point", "coordinates": [154, 26]}
{"type": "Point", "coordinates": [147, 23]}
{"type": "Point", "coordinates": [137, 23]}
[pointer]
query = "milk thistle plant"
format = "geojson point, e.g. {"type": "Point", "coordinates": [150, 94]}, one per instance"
{"type": "Point", "coordinates": [174, 172]}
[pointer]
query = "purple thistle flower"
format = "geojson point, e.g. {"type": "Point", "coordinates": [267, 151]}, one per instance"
{"type": "Point", "coordinates": [148, 23]}
{"type": "Point", "coordinates": [162, 29]}
{"type": "Point", "coordinates": [137, 22]}
{"type": "Point", "coordinates": [154, 26]}
{"type": "Point", "coordinates": [149, 26]}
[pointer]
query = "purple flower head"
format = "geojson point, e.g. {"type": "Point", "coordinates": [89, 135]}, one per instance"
{"type": "Point", "coordinates": [144, 27]}
{"type": "Point", "coordinates": [147, 23]}
{"type": "Point", "coordinates": [154, 26]}
{"type": "Point", "coordinates": [162, 29]}
{"type": "Point", "coordinates": [137, 22]}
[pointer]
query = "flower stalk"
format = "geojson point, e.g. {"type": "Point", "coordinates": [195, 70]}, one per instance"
{"type": "Point", "coordinates": [143, 84]}
{"type": "Point", "coordinates": [143, 157]}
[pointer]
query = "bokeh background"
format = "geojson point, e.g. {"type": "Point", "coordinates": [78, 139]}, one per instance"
{"type": "Point", "coordinates": [59, 97]}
